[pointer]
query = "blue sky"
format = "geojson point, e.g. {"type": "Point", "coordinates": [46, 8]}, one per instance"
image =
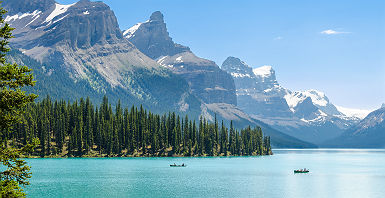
{"type": "Point", "coordinates": [337, 47]}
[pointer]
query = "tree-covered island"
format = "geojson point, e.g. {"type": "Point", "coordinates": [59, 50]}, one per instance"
{"type": "Point", "coordinates": [80, 129]}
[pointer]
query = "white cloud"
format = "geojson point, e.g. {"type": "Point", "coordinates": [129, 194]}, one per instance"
{"type": "Point", "coordinates": [332, 32]}
{"type": "Point", "coordinates": [278, 38]}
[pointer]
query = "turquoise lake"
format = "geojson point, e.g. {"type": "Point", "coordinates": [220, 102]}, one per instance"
{"type": "Point", "coordinates": [333, 173]}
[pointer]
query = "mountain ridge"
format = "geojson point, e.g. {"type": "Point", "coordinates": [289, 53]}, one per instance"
{"type": "Point", "coordinates": [368, 133]}
{"type": "Point", "coordinates": [208, 82]}
{"type": "Point", "coordinates": [79, 50]}
{"type": "Point", "coordinates": [307, 115]}
{"type": "Point", "coordinates": [84, 41]}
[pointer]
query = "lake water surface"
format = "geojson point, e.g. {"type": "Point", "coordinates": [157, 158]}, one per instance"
{"type": "Point", "coordinates": [333, 173]}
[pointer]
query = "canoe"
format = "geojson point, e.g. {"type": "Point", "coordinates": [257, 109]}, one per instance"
{"type": "Point", "coordinates": [174, 165]}
{"type": "Point", "coordinates": [301, 171]}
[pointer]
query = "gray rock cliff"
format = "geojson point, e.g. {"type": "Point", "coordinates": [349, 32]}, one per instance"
{"type": "Point", "coordinates": [207, 81]}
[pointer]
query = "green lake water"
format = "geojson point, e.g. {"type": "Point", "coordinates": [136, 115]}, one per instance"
{"type": "Point", "coordinates": [333, 173]}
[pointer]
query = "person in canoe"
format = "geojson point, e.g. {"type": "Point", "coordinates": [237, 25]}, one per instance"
{"type": "Point", "coordinates": [301, 170]}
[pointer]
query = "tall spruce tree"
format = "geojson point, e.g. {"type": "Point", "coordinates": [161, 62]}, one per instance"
{"type": "Point", "coordinates": [14, 171]}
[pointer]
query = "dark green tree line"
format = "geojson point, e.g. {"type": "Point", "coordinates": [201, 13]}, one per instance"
{"type": "Point", "coordinates": [80, 129]}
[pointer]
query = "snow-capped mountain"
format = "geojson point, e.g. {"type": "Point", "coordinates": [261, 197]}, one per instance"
{"type": "Point", "coordinates": [322, 106]}
{"type": "Point", "coordinates": [368, 133]}
{"type": "Point", "coordinates": [353, 113]}
{"type": "Point", "coordinates": [307, 115]}
{"type": "Point", "coordinates": [258, 91]}
{"type": "Point", "coordinates": [213, 86]}
{"type": "Point", "coordinates": [325, 108]}
{"type": "Point", "coordinates": [78, 50]}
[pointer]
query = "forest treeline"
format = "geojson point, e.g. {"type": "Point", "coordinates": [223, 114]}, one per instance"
{"type": "Point", "coordinates": [82, 129]}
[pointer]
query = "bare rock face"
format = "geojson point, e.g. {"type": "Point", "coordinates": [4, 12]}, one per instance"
{"type": "Point", "coordinates": [25, 6]}
{"type": "Point", "coordinates": [241, 72]}
{"type": "Point", "coordinates": [152, 38]}
{"type": "Point", "coordinates": [306, 110]}
{"type": "Point", "coordinates": [84, 25]}
{"type": "Point", "coordinates": [207, 81]}
{"type": "Point", "coordinates": [79, 25]}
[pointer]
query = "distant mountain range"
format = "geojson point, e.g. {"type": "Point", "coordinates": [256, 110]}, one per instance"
{"type": "Point", "coordinates": [78, 50]}
{"type": "Point", "coordinates": [307, 115]}
{"type": "Point", "coordinates": [213, 86]}
{"type": "Point", "coordinates": [368, 133]}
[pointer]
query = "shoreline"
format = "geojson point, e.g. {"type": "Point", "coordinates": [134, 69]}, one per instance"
{"type": "Point", "coordinates": [134, 156]}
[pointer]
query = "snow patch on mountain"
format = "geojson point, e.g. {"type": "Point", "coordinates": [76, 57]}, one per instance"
{"type": "Point", "coordinates": [35, 14]}
{"type": "Point", "coordinates": [240, 75]}
{"type": "Point", "coordinates": [317, 97]}
{"type": "Point", "coordinates": [292, 100]}
{"type": "Point", "coordinates": [131, 31]}
{"type": "Point", "coordinates": [264, 71]}
{"type": "Point", "coordinates": [358, 113]}
{"type": "Point", "coordinates": [179, 59]}
{"type": "Point", "coordinates": [59, 9]}
{"type": "Point", "coordinates": [320, 118]}
{"type": "Point", "coordinates": [161, 59]}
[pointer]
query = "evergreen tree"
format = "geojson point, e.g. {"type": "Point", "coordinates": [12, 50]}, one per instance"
{"type": "Point", "coordinates": [81, 128]}
{"type": "Point", "coordinates": [14, 171]}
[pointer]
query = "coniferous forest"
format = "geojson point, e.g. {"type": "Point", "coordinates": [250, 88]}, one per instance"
{"type": "Point", "coordinates": [82, 129]}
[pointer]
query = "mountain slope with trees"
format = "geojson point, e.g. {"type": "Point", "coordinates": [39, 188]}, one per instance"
{"type": "Point", "coordinates": [71, 53]}
{"type": "Point", "coordinates": [70, 60]}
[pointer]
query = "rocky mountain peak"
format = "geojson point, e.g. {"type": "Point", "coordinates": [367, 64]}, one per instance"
{"type": "Point", "coordinates": [233, 64]}
{"type": "Point", "coordinates": [157, 16]}
{"type": "Point", "coordinates": [208, 82]}
{"type": "Point", "coordinates": [383, 105]}
{"type": "Point", "coordinates": [306, 109]}
{"type": "Point", "coordinates": [258, 92]}
{"type": "Point", "coordinates": [86, 3]}
{"type": "Point", "coordinates": [368, 133]}
{"type": "Point", "coordinates": [83, 50]}
{"type": "Point", "coordinates": [318, 99]}
{"type": "Point", "coordinates": [261, 79]}
{"type": "Point", "coordinates": [77, 26]}
{"type": "Point", "coordinates": [27, 6]}
{"type": "Point", "coordinates": [152, 38]}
